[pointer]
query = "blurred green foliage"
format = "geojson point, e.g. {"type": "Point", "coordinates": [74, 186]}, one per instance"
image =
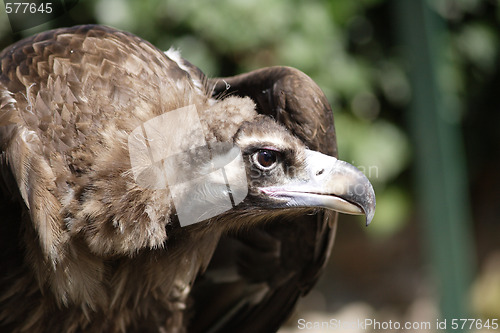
{"type": "Point", "coordinates": [349, 48]}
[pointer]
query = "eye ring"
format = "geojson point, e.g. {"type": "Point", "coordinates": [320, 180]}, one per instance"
{"type": "Point", "coordinates": [265, 159]}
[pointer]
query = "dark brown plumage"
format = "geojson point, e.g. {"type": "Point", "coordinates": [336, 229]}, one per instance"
{"type": "Point", "coordinates": [86, 248]}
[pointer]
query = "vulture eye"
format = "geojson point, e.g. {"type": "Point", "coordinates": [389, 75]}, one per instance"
{"type": "Point", "coordinates": [265, 159]}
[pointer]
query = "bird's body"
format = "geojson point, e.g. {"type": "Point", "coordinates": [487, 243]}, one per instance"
{"type": "Point", "coordinates": [86, 248]}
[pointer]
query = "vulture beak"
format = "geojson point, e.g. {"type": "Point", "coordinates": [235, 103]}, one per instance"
{"type": "Point", "coordinates": [331, 184]}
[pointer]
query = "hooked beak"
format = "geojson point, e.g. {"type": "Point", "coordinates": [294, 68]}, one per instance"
{"type": "Point", "coordinates": [332, 184]}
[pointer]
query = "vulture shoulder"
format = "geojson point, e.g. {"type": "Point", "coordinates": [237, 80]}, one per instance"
{"type": "Point", "coordinates": [83, 245]}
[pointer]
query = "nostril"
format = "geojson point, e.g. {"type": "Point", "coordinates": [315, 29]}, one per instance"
{"type": "Point", "coordinates": [320, 172]}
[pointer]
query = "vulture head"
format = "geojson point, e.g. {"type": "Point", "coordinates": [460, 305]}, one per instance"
{"type": "Point", "coordinates": [283, 174]}
{"type": "Point", "coordinates": [139, 195]}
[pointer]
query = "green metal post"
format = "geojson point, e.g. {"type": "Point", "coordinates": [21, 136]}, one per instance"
{"type": "Point", "coordinates": [440, 167]}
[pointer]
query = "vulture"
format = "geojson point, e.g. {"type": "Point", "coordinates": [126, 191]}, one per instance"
{"type": "Point", "coordinates": [138, 195]}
